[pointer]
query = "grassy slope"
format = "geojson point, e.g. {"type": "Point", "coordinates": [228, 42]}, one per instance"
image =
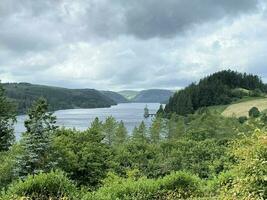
{"type": "Point", "coordinates": [242, 107]}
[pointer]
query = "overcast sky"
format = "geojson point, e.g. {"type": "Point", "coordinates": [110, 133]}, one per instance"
{"type": "Point", "coordinates": [130, 44]}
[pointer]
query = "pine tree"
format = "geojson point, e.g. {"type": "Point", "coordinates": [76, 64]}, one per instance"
{"type": "Point", "coordinates": [140, 133]}
{"type": "Point", "coordinates": [120, 134]}
{"type": "Point", "coordinates": [155, 130]}
{"type": "Point", "coordinates": [36, 141]}
{"type": "Point", "coordinates": [160, 112]}
{"type": "Point", "coordinates": [7, 119]}
{"type": "Point", "coordinates": [109, 128]}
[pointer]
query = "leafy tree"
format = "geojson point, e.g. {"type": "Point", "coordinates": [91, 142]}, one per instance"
{"type": "Point", "coordinates": [36, 141]}
{"type": "Point", "coordinates": [82, 155]}
{"type": "Point", "coordinates": [7, 119]}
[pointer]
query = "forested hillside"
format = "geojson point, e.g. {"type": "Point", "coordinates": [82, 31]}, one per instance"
{"type": "Point", "coordinates": [24, 94]}
{"type": "Point", "coordinates": [152, 96]}
{"type": "Point", "coordinates": [115, 96]}
{"type": "Point", "coordinates": [220, 88]}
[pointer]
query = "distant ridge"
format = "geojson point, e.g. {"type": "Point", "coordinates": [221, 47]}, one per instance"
{"type": "Point", "coordinates": [153, 96]}
{"type": "Point", "coordinates": [118, 98]}
{"type": "Point", "coordinates": [24, 94]}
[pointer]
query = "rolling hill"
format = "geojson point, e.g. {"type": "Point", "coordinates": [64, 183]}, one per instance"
{"type": "Point", "coordinates": [118, 98]}
{"type": "Point", "coordinates": [24, 94]}
{"type": "Point", "coordinates": [152, 96]}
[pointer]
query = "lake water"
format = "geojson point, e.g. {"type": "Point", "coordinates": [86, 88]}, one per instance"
{"type": "Point", "coordinates": [132, 114]}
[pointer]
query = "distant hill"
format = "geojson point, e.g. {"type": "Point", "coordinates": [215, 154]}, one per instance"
{"type": "Point", "coordinates": [23, 94]}
{"type": "Point", "coordinates": [153, 96]}
{"type": "Point", "coordinates": [118, 98]}
{"type": "Point", "coordinates": [220, 88]}
{"type": "Point", "coordinates": [129, 94]}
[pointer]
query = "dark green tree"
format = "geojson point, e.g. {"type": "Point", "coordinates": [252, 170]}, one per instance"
{"type": "Point", "coordinates": [121, 134]}
{"type": "Point", "coordinates": [36, 141]}
{"type": "Point", "coordinates": [7, 119]}
{"type": "Point", "coordinates": [254, 112]}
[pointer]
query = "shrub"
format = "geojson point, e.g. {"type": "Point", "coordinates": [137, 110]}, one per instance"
{"type": "Point", "coordinates": [249, 176]}
{"type": "Point", "coordinates": [178, 185]}
{"type": "Point", "coordinates": [242, 119]}
{"type": "Point", "coordinates": [53, 185]}
{"type": "Point", "coordinates": [254, 112]}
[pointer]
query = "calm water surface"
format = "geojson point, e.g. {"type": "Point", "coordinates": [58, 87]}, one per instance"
{"type": "Point", "coordinates": [130, 113]}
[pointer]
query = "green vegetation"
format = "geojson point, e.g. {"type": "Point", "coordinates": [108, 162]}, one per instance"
{"type": "Point", "coordinates": [118, 98]}
{"type": "Point", "coordinates": [153, 96]}
{"type": "Point", "coordinates": [203, 155]}
{"type": "Point", "coordinates": [221, 88]}
{"type": "Point", "coordinates": [24, 94]}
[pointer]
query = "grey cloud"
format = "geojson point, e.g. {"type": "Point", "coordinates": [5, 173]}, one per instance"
{"type": "Point", "coordinates": [157, 18]}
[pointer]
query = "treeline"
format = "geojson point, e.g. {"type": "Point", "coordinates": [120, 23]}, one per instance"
{"type": "Point", "coordinates": [219, 88]}
{"type": "Point", "coordinates": [24, 94]}
{"type": "Point", "coordinates": [203, 155]}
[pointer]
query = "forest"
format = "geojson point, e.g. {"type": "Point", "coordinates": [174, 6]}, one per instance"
{"type": "Point", "coordinates": [189, 152]}
{"type": "Point", "coordinates": [24, 94]}
{"type": "Point", "coordinates": [220, 88]}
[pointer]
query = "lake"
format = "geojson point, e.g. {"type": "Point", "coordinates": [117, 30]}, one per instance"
{"type": "Point", "coordinates": [132, 114]}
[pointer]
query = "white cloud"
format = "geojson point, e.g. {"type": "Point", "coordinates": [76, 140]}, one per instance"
{"type": "Point", "coordinates": [88, 44]}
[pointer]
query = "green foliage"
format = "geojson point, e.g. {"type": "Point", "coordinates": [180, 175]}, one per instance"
{"type": "Point", "coordinates": [44, 186]}
{"type": "Point", "coordinates": [36, 141]}
{"type": "Point", "coordinates": [82, 155]}
{"type": "Point", "coordinates": [24, 94]}
{"type": "Point", "coordinates": [254, 112]}
{"type": "Point", "coordinates": [109, 129]}
{"type": "Point", "coordinates": [242, 119]}
{"type": "Point", "coordinates": [249, 174]}
{"type": "Point", "coordinates": [178, 185]}
{"type": "Point", "coordinates": [216, 89]}
{"type": "Point", "coordinates": [7, 119]}
{"type": "Point", "coordinates": [7, 166]}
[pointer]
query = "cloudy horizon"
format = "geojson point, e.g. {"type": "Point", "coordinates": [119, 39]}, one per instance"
{"type": "Point", "coordinates": [118, 44]}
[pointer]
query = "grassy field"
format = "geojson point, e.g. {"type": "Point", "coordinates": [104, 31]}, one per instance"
{"type": "Point", "coordinates": [241, 108]}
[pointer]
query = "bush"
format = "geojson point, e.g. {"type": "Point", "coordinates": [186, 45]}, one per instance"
{"type": "Point", "coordinates": [248, 178]}
{"type": "Point", "coordinates": [178, 185]}
{"type": "Point", "coordinates": [255, 93]}
{"type": "Point", "coordinates": [242, 119]}
{"type": "Point", "coordinates": [53, 185]}
{"type": "Point", "coordinates": [254, 112]}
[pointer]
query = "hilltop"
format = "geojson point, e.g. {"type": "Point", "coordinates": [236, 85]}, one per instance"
{"type": "Point", "coordinates": [221, 88]}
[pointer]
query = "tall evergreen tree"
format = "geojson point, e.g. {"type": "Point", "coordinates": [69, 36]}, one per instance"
{"type": "Point", "coordinates": [7, 119]}
{"type": "Point", "coordinates": [109, 128]}
{"type": "Point", "coordinates": [155, 130]}
{"type": "Point", "coordinates": [120, 134]}
{"type": "Point", "coordinates": [36, 141]}
{"type": "Point", "coordinates": [140, 133]}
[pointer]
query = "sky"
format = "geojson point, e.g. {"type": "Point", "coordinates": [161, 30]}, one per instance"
{"type": "Point", "coordinates": [123, 44]}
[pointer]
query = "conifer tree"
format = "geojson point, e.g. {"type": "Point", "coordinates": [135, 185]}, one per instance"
{"type": "Point", "coordinates": [7, 119]}
{"type": "Point", "coordinates": [109, 128]}
{"type": "Point", "coordinates": [36, 141]}
{"type": "Point", "coordinates": [120, 134]}
{"type": "Point", "coordinates": [155, 130]}
{"type": "Point", "coordinates": [140, 133]}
